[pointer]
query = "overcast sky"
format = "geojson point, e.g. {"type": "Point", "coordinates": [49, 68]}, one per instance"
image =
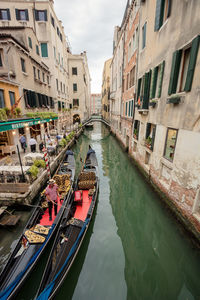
{"type": "Point", "coordinates": [89, 26]}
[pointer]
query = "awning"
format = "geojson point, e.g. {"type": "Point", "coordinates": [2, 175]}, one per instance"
{"type": "Point", "coordinates": [15, 124]}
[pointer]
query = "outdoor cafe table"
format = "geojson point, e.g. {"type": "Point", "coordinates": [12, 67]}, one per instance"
{"type": "Point", "coordinates": [14, 169]}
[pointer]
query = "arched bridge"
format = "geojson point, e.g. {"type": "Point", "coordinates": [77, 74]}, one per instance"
{"type": "Point", "coordinates": [96, 119]}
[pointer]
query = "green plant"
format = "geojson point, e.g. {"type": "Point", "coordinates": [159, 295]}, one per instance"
{"type": "Point", "coordinates": [149, 140]}
{"type": "Point", "coordinates": [135, 131]}
{"type": "Point", "coordinates": [3, 115]}
{"type": "Point", "coordinates": [63, 143]}
{"type": "Point", "coordinates": [39, 163]}
{"type": "Point", "coordinates": [33, 171]}
{"type": "Point", "coordinates": [80, 125]}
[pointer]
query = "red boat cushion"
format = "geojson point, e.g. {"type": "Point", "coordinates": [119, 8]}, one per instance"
{"type": "Point", "coordinates": [78, 196]}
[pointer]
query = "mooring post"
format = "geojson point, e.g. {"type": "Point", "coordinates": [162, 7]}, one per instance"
{"type": "Point", "coordinates": [23, 177]}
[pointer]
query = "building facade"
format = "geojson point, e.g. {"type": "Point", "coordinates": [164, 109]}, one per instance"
{"type": "Point", "coordinates": [106, 89]}
{"type": "Point", "coordinates": [95, 104]}
{"type": "Point", "coordinates": [79, 87]}
{"type": "Point", "coordinates": [165, 132]}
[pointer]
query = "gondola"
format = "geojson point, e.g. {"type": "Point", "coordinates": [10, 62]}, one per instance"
{"type": "Point", "coordinates": [72, 230]}
{"type": "Point", "coordinates": [37, 232]}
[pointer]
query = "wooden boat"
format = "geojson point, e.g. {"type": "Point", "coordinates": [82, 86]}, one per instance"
{"type": "Point", "coordinates": [89, 126]}
{"type": "Point", "coordinates": [73, 228]}
{"type": "Point", "coordinates": [7, 218]}
{"type": "Point", "coordinates": [37, 233]}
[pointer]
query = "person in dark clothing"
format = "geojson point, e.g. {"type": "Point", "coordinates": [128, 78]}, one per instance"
{"type": "Point", "coordinates": [22, 140]}
{"type": "Point", "coordinates": [89, 152]}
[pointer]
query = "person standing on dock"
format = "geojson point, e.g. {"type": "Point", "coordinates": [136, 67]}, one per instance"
{"type": "Point", "coordinates": [51, 196]}
{"type": "Point", "coordinates": [22, 141]}
{"type": "Point", "coordinates": [89, 152]}
{"type": "Point", "coordinates": [32, 143]}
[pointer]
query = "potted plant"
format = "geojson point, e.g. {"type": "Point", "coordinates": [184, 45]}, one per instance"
{"type": "Point", "coordinates": [153, 103]}
{"type": "Point", "coordinates": [148, 142]}
{"type": "Point", "coordinates": [135, 134]}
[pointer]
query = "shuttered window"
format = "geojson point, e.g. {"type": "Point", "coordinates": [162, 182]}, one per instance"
{"type": "Point", "coordinates": [162, 68]}
{"type": "Point", "coordinates": [44, 49]}
{"type": "Point", "coordinates": [192, 64]}
{"type": "Point", "coordinates": [174, 72]}
{"type": "Point", "coordinates": [144, 30]}
{"type": "Point", "coordinates": [40, 15]}
{"type": "Point", "coordinates": [163, 10]}
{"type": "Point", "coordinates": [4, 14]}
{"type": "Point", "coordinates": [2, 100]}
{"type": "Point", "coordinates": [22, 14]}
{"type": "Point", "coordinates": [145, 103]}
{"type": "Point", "coordinates": [30, 42]}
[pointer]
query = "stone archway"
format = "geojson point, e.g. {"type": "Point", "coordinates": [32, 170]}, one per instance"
{"type": "Point", "coordinates": [76, 118]}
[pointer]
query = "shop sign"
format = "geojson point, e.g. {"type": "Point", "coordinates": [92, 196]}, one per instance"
{"type": "Point", "coordinates": [7, 126]}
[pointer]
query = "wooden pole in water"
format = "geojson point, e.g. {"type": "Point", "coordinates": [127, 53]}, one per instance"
{"type": "Point", "coordinates": [23, 177]}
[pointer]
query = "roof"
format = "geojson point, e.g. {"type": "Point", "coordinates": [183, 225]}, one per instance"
{"type": "Point", "coordinates": [8, 35]}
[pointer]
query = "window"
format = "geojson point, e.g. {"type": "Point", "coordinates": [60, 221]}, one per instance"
{"type": "Point", "coordinates": [75, 102]}
{"type": "Point", "coordinates": [136, 129]}
{"type": "Point", "coordinates": [126, 111]}
{"type": "Point", "coordinates": [34, 72]}
{"type": "Point", "coordinates": [150, 135]}
{"type": "Point", "coordinates": [127, 81]}
{"type": "Point", "coordinates": [39, 74]}
{"type": "Point", "coordinates": [22, 14]}
{"type": "Point", "coordinates": [54, 51]}
{"type": "Point", "coordinates": [30, 42]}
{"type": "Point", "coordinates": [163, 9]}
{"type": "Point", "coordinates": [143, 91]}
{"type": "Point", "coordinates": [58, 31]}
{"type": "Point", "coordinates": [59, 58]}
{"type": "Point", "coordinates": [52, 21]}
{"type": "Point", "coordinates": [61, 37]}
{"type": "Point", "coordinates": [57, 84]}
{"type": "Point", "coordinates": [64, 88]}
{"type": "Point", "coordinates": [37, 50]}
{"type": "Point", "coordinates": [129, 51]}
{"type": "Point", "coordinates": [1, 62]}
{"type": "Point", "coordinates": [44, 49]}
{"type": "Point", "coordinates": [43, 76]}
{"type": "Point", "coordinates": [47, 79]}
{"type": "Point", "coordinates": [23, 65]}
{"type": "Point", "coordinates": [12, 98]}
{"type": "Point", "coordinates": [40, 15]}
{"type": "Point", "coordinates": [156, 81]}
{"type": "Point", "coordinates": [132, 76]}
{"type": "Point", "coordinates": [170, 143]}
{"type": "Point", "coordinates": [183, 67]}
{"type": "Point", "coordinates": [61, 86]}
{"type": "Point", "coordinates": [4, 14]}
{"type": "Point", "coordinates": [2, 101]}
{"type": "Point", "coordinates": [62, 61]}
{"type": "Point", "coordinates": [74, 71]}
{"type": "Point", "coordinates": [74, 87]}
{"type": "Point", "coordinates": [144, 30]}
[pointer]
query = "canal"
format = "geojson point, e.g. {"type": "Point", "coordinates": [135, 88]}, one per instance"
{"type": "Point", "coordinates": [134, 248]}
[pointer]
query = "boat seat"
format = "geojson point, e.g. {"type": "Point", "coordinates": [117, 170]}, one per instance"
{"type": "Point", "coordinates": [78, 199]}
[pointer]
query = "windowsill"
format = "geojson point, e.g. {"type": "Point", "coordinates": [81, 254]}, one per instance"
{"type": "Point", "coordinates": [41, 22]}
{"type": "Point", "coordinates": [143, 111]}
{"type": "Point", "coordinates": [166, 162]}
{"type": "Point", "coordinates": [163, 25]}
{"type": "Point", "coordinates": [24, 73]}
{"type": "Point", "coordinates": [23, 22]}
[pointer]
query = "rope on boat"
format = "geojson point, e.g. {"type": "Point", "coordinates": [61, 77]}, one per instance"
{"type": "Point", "coordinates": [5, 293]}
{"type": "Point", "coordinates": [47, 291]}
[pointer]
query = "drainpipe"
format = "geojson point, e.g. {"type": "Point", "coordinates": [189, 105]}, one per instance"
{"type": "Point", "coordinates": [137, 60]}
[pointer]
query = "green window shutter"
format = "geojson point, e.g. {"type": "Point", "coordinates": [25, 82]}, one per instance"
{"type": "Point", "coordinates": [147, 82]}
{"type": "Point", "coordinates": [17, 14]}
{"type": "Point", "coordinates": [148, 130]}
{"type": "Point", "coordinates": [162, 68]}
{"type": "Point", "coordinates": [153, 137]}
{"type": "Point", "coordinates": [45, 15]}
{"type": "Point", "coordinates": [44, 49]}
{"type": "Point", "coordinates": [192, 63]}
{"type": "Point", "coordinates": [154, 83]}
{"type": "Point", "coordinates": [145, 103]}
{"type": "Point", "coordinates": [26, 13]}
{"type": "Point", "coordinates": [159, 14]}
{"type": "Point", "coordinates": [30, 42]}
{"type": "Point", "coordinates": [139, 87]}
{"type": "Point", "coordinates": [36, 15]}
{"type": "Point", "coordinates": [8, 13]}
{"type": "Point", "coordinates": [174, 72]}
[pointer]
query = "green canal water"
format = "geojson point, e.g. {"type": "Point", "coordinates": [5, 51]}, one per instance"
{"type": "Point", "coordinates": [134, 249]}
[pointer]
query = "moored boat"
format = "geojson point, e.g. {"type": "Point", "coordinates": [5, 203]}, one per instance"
{"type": "Point", "coordinates": [71, 233]}
{"type": "Point", "coordinates": [37, 232]}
